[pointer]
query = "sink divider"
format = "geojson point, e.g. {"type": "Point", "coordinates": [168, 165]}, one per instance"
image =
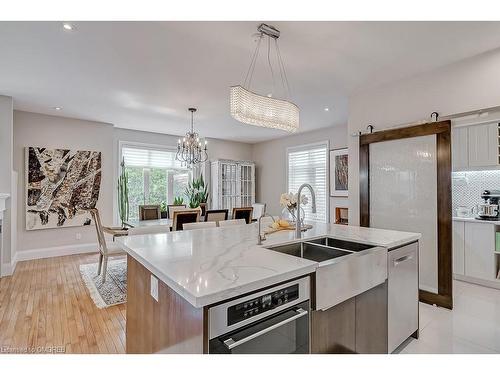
{"type": "Point", "coordinates": [321, 245]}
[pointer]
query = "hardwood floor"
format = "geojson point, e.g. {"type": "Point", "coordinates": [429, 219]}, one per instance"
{"type": "Point", "coordinates": [45, 306]}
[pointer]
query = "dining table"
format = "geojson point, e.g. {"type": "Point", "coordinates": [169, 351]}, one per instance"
{"type": "Point", "coordinates": [136, 223]}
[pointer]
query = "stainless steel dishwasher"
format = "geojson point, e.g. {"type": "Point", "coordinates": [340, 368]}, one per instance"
{"type": "Point", "coordinates": [402, 294]}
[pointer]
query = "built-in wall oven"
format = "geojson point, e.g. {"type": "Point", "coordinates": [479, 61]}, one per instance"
{"type": "Point", "coordinates": [272, 321]}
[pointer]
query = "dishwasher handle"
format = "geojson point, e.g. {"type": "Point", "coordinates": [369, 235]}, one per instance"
{"type": "Point", "coordinates": [405, 258]}
{"type": "Point", "coordinates": [231, 344]}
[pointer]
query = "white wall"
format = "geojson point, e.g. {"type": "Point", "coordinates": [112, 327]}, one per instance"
{"type": "Point", "coordinates": [6, 138]}
{"type": "Point", "coordinates": [464, 86]}
{"type": "Point", "coordinates": [270, 159]}
{"type": "Point", "coordinates": [31, 129]}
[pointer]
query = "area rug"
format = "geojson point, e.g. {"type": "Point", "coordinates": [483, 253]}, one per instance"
{"type": "Point", "coordinates": [114, 290]}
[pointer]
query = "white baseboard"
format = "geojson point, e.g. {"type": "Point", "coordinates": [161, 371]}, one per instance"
{"type": "Point", "coordinates": [8, 268]}
{"type": "Point", "coordinates": [57, 251]}
{"type": "Point", "coordinates": [474, 280]}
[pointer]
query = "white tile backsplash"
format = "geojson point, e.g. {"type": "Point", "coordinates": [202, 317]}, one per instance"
{"type": "Point", "coordinates": [467, 186]}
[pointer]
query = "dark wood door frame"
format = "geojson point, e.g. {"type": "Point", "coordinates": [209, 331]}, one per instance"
{"type": "Point", "coordinates": [442, 130]}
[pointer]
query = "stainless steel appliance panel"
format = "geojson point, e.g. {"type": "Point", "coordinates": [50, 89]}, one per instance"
{"type": "Point", "coordinates": [286, 332]}
{"type": "Point", "coordinates": [219, 316]}
{"type": "Point", "coordinates": [402, 294]}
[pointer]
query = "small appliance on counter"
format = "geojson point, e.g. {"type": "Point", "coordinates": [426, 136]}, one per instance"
{"type": "Point", "coordinates": [489, 209]}
{"type": "Point", "coordinates": [463, 211]}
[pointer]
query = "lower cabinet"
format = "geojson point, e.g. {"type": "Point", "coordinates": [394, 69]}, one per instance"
{"type": "Point", "coordinates": [479, 251]}
{"type": "Point", "coordinates": [358, 325]}
{"type": "Point", "coordinates": [474, 250]}
{"type": "Point", "coordinates": [458, 247]}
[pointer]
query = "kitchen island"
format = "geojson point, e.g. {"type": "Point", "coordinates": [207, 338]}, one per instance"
{"type": "Point", "coordinates": [198, 269]}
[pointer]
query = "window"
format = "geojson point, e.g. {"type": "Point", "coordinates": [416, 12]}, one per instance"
{"type": "Point", "coordinates": [154, 176]}
{"type": "Point", "coordinates": [309, 164]}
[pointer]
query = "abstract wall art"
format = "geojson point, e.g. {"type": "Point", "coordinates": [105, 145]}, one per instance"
{"type": "Point", "coordinates": [339, 161]}
{"type": "Point", "coordinates": [61, 185]}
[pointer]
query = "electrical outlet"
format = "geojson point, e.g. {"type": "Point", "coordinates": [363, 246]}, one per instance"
{"type": "Point", "coordinates": [78, 236]}
{"type": "Point", "coordinates": [154, 288]}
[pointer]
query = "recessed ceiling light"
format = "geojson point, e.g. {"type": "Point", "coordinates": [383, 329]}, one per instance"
{"type": "Point", "coordinates": [327, 109]}
{"type": "Point", "coordinates": [68, 26]}
{"type": "Point", "coordinates": [57, 108]}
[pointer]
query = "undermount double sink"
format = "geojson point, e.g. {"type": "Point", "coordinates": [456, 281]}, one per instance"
{"type": "Point", "coordinates": [321, 249]}
{"type": "Point", "coordinates": [345, 269]}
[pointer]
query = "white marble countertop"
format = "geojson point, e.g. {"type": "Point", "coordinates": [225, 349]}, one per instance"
{"type": "Point", "coordinates": [206, 266]}
{"type": "Point", "coordinates": [473, 220]}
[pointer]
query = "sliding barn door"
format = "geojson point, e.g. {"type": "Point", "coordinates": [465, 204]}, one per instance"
{"type": "Point", "coordinates": [405, 184]}
{"type": "Point", "coordinates": [403, 196]}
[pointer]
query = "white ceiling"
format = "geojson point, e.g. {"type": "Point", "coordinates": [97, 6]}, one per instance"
{"type": "Point", "coordinates": [144, 75]}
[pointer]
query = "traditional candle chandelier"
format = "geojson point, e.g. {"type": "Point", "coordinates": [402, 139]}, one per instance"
{"type": "Point", "coordinates": [264, 110]}
{"type": "Point", "coordinates": [190, 149]}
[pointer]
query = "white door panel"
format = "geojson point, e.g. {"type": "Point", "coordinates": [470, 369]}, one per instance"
{"type": "Point", "coordinates": [403, 196]}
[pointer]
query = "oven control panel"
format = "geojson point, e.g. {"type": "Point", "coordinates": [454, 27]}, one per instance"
{"type": "Point", "coordinates": [258, 305]}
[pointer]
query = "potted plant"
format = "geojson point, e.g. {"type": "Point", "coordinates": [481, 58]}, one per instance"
{"type": "Point", "coordinates": [178, 201]}
{"type": "Point", "coordinates": [163, 210]}
{"type": "Point", "coordinates": [123, 205]}
{"type": "Point", "coordinates": [197, 192]}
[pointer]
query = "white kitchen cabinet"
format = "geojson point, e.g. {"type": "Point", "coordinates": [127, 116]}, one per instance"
{"type": "Point", "coordinates": [479, 251]}
{"type": "Point", "coordinates": [483, 145]}
{"type": "Point", "coordinates": [233, 184]}
{"type": "Point", "coordinates": [458, 247]}
{"type": "Point", "coordinates": [459, 148]}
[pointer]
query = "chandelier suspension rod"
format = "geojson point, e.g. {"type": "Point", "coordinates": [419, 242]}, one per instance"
{"type": "Point", "coordinates": [251, 68]}
{"type": "Point", "coordinates": [282, 66]}
{"type": "Point", "coordinates": [269, 62]}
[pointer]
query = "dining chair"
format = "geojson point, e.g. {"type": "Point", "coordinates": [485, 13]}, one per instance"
{"type": "Point", "coordinates": [150, 229]}
{"type": "Point", "coordinates": [173, 207]}
{"type": "Point", "coordinates": [233, 222]}
{"type": "Point", "coordinates": [203, 207]}
{"type": "Point", "coordinates": [341, 215]}
{"type": "Point", "coordinates": [216, 215]}
{"type": "Point", "coordinates": [199, 225]}
{"type": "Point", "coordinates": [258, 210]}
{"type": "Point", "coordinates": [243, 213]}
{"type": "Point", "coordinates": [149, 212]}
{"type": "Point", "coordinates": [105, 249]}
{"type": "Point", "coordinates": [185, 216]}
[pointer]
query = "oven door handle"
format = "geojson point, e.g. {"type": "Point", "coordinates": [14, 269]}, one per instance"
{"type": "Point", "coordinates": [231, 344]}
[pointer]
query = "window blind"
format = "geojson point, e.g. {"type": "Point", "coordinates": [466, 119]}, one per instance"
{"type": "Point", "coordinates": [309, 164]}
{"type": "Point", "coordinates": [150, 158]}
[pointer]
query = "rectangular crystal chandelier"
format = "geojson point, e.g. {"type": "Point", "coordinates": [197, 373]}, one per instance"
{"type": "Point", "coordinates": [258, 110]}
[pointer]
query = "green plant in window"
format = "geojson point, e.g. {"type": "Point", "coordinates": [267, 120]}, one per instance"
{"type": "Point", "coordinates": [197, 192]}
{"type": "Point", "coordinates": [163, 206]}
{"type": "Point", "coordinates": [123, 206]}
{"type": "Point", "coordinates": [178, 201]}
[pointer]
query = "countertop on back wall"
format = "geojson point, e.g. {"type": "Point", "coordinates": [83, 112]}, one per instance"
{"type": "Point", "coordinates": [473, 220]}
{"type": "Point", "coordinates": [206, 266]}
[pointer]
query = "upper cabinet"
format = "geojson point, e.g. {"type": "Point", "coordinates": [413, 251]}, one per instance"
{"type": "Point", "coordinates": [483, 145]}
{"type": "Point", "coordinates": [476, 146]}
{"type": "Point", "coordinates": [459, 148]}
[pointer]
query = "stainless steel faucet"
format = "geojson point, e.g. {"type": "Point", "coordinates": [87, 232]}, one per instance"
{"type": "Point", "coordinates": [298, 229]}
{"type": "Point", "coordinates": [262, 237]}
